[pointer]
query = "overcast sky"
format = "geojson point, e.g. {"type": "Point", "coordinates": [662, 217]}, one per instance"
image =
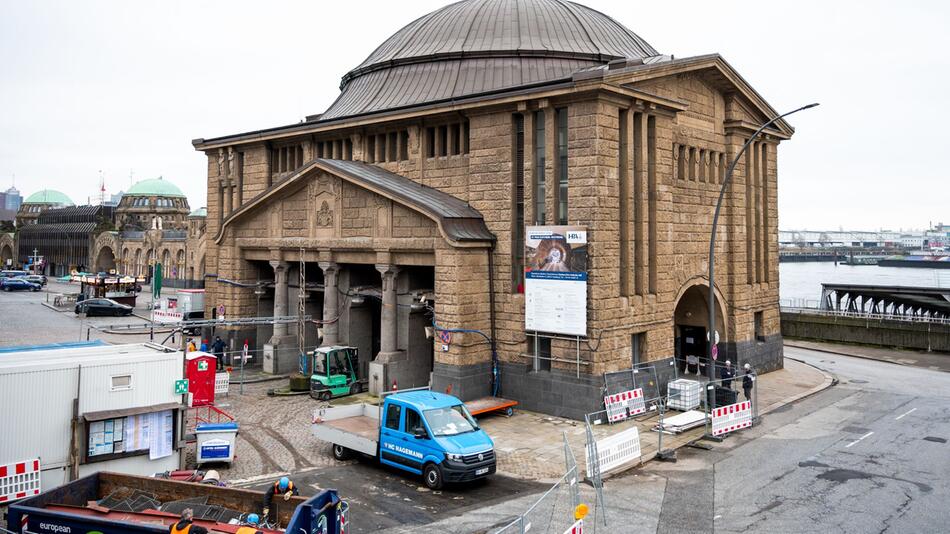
{"type": "Point", "coordinates": [123, 87]}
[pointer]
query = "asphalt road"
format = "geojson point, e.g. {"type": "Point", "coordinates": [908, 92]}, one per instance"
{"type": "Point", "coordinates": [868, 455]}
{"type": "Point", "coordinates": [381, 497]}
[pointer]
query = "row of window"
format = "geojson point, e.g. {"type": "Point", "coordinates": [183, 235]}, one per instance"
{"type": "Point", "coordinates": [384, 147]}
{"type": "Point", "coordinates": [286, 158]}
{"type": "Point", "coordinates": [698, 164]}
{"type": "Point", "coordinates": [334, 149]}
{"type": "Point", "coordinates": [447, 140]}
{"type": "Point", "coordinates": [539, 186]}
{"type": "Point", "coordinates": [638, 203]}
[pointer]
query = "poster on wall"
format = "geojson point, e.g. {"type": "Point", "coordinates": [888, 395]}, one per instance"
{"type": "Point", "coordinates": [556, 280]}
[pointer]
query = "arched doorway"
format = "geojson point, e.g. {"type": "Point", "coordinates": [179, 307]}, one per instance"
{"type": "Point", "coordinates": [105, 260]}
{"type": "Point", "coordinates": [691, 324]}
{"type": "Point", "coordinates": [6, 256]}
{"type": "Point", "coordinates": [138, 263]}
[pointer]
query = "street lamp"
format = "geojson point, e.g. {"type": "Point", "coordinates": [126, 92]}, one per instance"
{"type": "Point", "coordinates": [712, 241]}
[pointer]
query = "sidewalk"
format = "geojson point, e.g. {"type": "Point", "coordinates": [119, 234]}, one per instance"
{"type": "Point", "coordinates": [936, 361]}
{"type": "Point", "coordinates": [530, 445]}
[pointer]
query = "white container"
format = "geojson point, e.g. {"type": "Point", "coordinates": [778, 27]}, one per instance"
{"type": "Point", "coordinates": [216, 442]}
{"type": "Point", "coordinates": [683, 395]}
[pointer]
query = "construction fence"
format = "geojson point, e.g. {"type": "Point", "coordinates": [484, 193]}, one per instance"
{"type": "Point", "coordinates": [556, 512]}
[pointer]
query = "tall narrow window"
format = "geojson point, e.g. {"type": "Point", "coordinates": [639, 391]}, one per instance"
{"type": "Point", "coordinates": [517, 245]}
{"type": "Point", "coordinates": [391, 146]}
{"type": "Point", "coordinates": [542, 353]}
{"type": "Point", "coordinates": [623, 159]}
{"type": "Point", "coordinates": [540, 217]}
{"type": "Point", "coordinates": [443, 141]}
{"type": "Point", "coordinates": [404, 145]}
{"type": "Point", "coordinates": [651, 197]}
{"type": "Point", "coordinates": [638, 348]}
{"type": "Point", "coordinates": [562, 166]}
{"type": "Point", "coordinates": [766, 257]}
{"type": "Point", "coordinates": [759, 327]}
{"type": "Point", "coordinates": [465, 137]}
{"type": "Point", "coordinates": [430, 142]}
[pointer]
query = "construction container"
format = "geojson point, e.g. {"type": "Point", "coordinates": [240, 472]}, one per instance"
{"type": "Point", "coordinates": [80, 410]}
{"type": "Point", "coordinates": [683, 394]}
{"type": "Point", "coordinates": [216, 442]}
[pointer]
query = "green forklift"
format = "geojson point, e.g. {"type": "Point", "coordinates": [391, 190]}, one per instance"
{"type": "Point", "coordinates": [334, 372]}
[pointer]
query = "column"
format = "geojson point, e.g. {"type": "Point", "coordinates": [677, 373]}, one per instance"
{"type": "Point", "coordinates": [280, 295]}
{"type": "Point", "coordinates": [387, 320]}
{"type": "Point", "coordinates": [331, 300]}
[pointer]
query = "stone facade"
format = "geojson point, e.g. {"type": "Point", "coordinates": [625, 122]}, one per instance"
{"type": "Point", "coordinates": [647, 150]}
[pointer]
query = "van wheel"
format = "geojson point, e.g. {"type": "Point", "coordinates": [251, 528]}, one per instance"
{"type": "Point", "coordinates": [432, 476]}
{"type": "Point", "coordinates": [341, 453]}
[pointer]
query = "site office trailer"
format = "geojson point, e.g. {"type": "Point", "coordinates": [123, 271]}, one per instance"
{"type": "Point", "coordinates": [58, 405]}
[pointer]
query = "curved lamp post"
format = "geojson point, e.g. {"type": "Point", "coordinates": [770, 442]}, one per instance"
{"type": "Point", "coordinates": [712, 241]}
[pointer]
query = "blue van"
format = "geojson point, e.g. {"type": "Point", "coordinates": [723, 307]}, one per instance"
{"type": "Point", "coordinates": [422, 432]}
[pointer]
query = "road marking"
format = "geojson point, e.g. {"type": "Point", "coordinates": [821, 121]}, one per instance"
{"type": "Point", "coordinates": [905, 413]}
{"type": "Point", "coordinates": [717, 517]}
{"type": "Point", "coordinates": [857, 440]}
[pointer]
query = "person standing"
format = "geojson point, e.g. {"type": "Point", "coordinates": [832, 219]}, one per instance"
{"type": "Point", "coordinates": [748, 380]}
{"type": "Point", "coordinates": [191, 345]}
{"type": "Point", "coordinates": [217, 348]}
{"type": "Point", "coordinates": [726, 374]}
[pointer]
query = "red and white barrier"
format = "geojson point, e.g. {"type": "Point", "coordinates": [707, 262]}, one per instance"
{"type": "Point", "coordinates": [19, 480]}
{"type": "Point", "coordinates": [732, 417]}
{"type": "Point", "coordinates": [576, 528]}
{"type": "Point", "coordinates": [624, 404]}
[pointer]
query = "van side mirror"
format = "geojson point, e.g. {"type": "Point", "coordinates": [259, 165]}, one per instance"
{"type": "Point", "coordinates": [420, 433]}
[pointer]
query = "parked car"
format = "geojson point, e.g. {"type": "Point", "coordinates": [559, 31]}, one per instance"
{"type": "Point", "coordinates": [35, 278]}
{"type": "Point", "coordinates": [18, 284]}
{"type": "Point", "coordinates": [102, 307]}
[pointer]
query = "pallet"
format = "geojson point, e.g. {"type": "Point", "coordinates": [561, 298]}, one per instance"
{"type": "Point", "coordinates": [486, 405]}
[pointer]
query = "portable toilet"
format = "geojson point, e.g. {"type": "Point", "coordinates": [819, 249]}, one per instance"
{"type": "Point", "coordinates": [200, 368]}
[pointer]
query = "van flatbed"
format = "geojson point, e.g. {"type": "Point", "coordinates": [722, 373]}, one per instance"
{"type": "Point", "coordinates": [486, 405]}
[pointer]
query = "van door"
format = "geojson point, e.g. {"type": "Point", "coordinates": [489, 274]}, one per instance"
{"type": "Point", "coordinates": [395, 447]}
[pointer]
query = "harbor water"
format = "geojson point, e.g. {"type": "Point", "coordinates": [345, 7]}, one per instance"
{"type": "Point", "coordinates": [800, 283]}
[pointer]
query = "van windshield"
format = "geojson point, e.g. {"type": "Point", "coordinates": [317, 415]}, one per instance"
{"type": "Point", "coordinates": [450, 421]}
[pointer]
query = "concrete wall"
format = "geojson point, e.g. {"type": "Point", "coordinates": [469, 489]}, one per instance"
{"type": "Point", "coordinates": [898, 334]}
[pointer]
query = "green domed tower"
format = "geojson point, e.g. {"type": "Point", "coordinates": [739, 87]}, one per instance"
{"type": "Point", "coordinates": [155, 203]}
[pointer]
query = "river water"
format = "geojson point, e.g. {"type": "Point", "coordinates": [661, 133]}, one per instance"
{"type": "Point", "coordinates": [800, 283]}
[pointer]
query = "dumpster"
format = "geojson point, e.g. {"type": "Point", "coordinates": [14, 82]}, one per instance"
{"type": "Point", "coordinates": [216, 442]}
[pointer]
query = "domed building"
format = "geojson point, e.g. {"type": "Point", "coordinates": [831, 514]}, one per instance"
{"type": "Point", "coordinates": [530, 176]}
{"type": "Point", "coordinates": [153, 204]}
{"type": "Point", "coordinates": [39, 202]}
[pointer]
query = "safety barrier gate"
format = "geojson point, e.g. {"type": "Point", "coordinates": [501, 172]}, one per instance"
{"type": "Point", "coordinates": [736, 416]}
{"type": "Point", "coordinates": [613, 451]}
{"type": "Point", "coordinates": [222, 383]}
{"type": "Point", "coordinates": [624, 404]}
{"type": "Point", "coordinates": [19, 480]}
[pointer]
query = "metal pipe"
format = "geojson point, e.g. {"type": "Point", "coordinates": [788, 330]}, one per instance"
{"type": "Point", "coordinates": [711, 301]}
{"type": "Point", "coordinates": [496, 371]}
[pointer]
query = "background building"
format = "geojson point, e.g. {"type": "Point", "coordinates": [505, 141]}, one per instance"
{"type": "Point", "coordinates": [466, 126]}
{"type": "Point", "coordinates": [63, 237]}
{"type": "Point", "coordinates": [39, 202]}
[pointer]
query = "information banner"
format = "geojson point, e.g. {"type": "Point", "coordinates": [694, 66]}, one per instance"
{"type": "Point", "coordinates": [556, 279]}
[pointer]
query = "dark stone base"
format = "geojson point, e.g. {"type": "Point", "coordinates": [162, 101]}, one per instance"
{"type": "Point", "coordinates": [552, 392]}
{"type": "Point", "coordinates": [465, 382]}
{"type": "Point", "coordinates": [765, 356]}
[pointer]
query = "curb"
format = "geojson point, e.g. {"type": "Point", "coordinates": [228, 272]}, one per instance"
{"type": "Point", "coordinates": [848, 354]}
{"type": "Point", "coordinates": [54, 308]}
{"type": "Point", "coordinates": [830, 380]}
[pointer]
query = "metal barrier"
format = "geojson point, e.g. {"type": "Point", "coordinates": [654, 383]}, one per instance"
{"type": "Point", "coordinates": [865, 315]}
{"type": "Point", "coordinates": [222, 383]}
{"type": "Point", "coordinates": [650, 377]}
{"type": "Point", "coordinates": [555, 511]}
{"type": "Point", "coordinates": [741, 411]}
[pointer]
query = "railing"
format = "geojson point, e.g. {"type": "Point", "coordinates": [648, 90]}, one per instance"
{"type": "Point", "coordinates": [206, 414]}
{"type": "Point", "coordinates": [866, 316]}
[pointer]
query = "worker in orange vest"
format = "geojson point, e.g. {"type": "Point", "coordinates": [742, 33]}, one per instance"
{"type": "Point", "coordinates": [185, 526]}
{"type": "Point", "coordinates": [282, 487]}
{"type": "Point", "coordinates": [251, 527]}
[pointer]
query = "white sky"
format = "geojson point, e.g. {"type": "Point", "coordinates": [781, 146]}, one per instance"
{"type": "Point", "coordinates": [124, 86]}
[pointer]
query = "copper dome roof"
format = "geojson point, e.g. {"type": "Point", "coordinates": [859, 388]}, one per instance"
{"type": "Point", "coordinates": [481, 46]}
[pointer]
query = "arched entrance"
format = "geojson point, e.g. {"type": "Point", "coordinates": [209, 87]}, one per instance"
{"type": "Point", "coordinates": [6, 256]}
{"type": "Point", "coordinates": [105, 260]}
{"type": "Point", "coordinates": [691, 324]}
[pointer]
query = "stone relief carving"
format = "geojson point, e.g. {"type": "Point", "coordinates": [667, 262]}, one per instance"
{"type": "Point", "coordinates": [231, 161]}
{"type": "Point", "coordinates": [220, 161]}
{"type": "Point", "coordinates": [324, 215]}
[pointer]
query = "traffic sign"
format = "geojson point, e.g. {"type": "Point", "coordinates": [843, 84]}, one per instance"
{"type": "Point", "coordinates": [181, 387]}
{"type": "Point", "coordinates": [445, 336]}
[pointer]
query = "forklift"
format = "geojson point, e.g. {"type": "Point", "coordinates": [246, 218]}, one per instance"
{"type": "Point", "coordinates": [334, 372]}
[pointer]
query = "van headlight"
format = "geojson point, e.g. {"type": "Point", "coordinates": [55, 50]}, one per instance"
{"type": "Point", "coordinates": [454, 457]}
